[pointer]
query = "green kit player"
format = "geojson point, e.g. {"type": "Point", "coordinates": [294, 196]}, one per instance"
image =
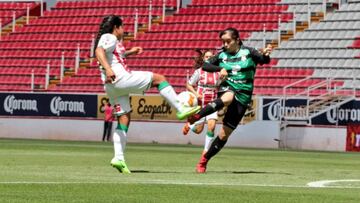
{"type": "Point", "coordinates": [237, 64]}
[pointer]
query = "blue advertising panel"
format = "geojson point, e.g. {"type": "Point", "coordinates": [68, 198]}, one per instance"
{"type": "Point", "coordinates": [58, 105]}
{"type": "Point", "coordinates": [273, 108]}
{"type": "Point", "coordinates": [345, 114]}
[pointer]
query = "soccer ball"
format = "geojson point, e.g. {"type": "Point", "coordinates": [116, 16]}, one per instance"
{"type": "Point", "coordinates": [187, 99]}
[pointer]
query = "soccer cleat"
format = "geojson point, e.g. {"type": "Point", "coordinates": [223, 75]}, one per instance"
{"type": "Point", "coordinates": [186, 112]}
{"type": "Point", "coordinates": [120, 165]}
{"type": "Point", "coordinates": [193, 118]}
{"type": "Point", "coordinates": [186, 128]}
{"type": "Point", "coordinates": [201, 166]}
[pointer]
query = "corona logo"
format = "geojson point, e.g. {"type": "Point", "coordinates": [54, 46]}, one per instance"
{"type": "Point", "coordinates": [12, 104]}
{"type": "Point", "coordinates": [57, 106]}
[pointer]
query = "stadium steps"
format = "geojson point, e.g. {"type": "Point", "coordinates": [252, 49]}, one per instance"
{"type": "Point", "coordinates": [328, 46]}
{"type": "Point", "coordinates": [8, 9]}
{"type": "Point", "coordinates": [86, 71]}
{"type": "Point", "coordinates": [20, 22]}
{"type": "Point", "coordinates": [54, 28]}
{"type": "Point", "coordinates": [300, 27]}
{"type": "Point", "coordinates": [173, 66]}
{"type": "Point", "coordinates": [174, 69]}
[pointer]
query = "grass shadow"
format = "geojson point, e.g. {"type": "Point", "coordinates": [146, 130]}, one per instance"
{"type": "Point", "coordinates": [146, 171]}
{"type": "Point", "coordinates": [223, 172]}
{"type": "Point", "coordinates": [254, 172]}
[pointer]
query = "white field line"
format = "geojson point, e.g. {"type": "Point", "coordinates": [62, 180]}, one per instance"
{"type": "Point", "coordinates": [325, 183]}
{"type": "Point", "coordinates": [312, 184]}
{"type": "Point", "coordinates": [151, 182]}
{"type": "Point", "coordinates": [59, 145]}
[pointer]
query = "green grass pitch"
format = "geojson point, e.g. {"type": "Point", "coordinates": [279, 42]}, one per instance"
{"type": "Point", "coordinates": [65, 171]}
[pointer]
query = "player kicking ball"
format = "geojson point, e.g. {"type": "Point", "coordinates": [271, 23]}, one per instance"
{"type": "Point", "coordinates": [119, 82]}
{"type": "Point", "coordinates": [236, 64]}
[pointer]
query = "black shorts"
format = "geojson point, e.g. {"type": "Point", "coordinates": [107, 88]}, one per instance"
{"type": "Point", "coordinates": [234, 114]}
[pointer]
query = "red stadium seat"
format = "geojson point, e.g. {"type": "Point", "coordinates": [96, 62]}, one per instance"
{"type": "Point", "coordinates": [168, 47]}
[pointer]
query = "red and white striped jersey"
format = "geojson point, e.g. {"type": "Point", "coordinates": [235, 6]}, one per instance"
{"type": "Point", "coordinates": [206, 84]}
{"type": "Point", "coordinates": [115, 55]}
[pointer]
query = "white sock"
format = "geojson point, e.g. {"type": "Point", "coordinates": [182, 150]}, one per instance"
{"type": "Point", "coordinates": [119, 138]}
{"type": "Point", "coordinates": [192, 126]}
{"type": "Point", "coordinates": [170, 95]}
{"type": "Point", "coordinates": [208, 141]}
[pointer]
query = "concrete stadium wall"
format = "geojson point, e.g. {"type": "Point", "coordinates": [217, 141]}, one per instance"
{"type": "Point", "coordinates": [314, 138]}
{"type": "Point", "coordinates": [251, 135]}
{"type": "Point", "coordinates": [257, 134]}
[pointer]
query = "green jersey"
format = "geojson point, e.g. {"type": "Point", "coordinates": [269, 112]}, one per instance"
{"type": "Point", "coordinates": [241, 68]}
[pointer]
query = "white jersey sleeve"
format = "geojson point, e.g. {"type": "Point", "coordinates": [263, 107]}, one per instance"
{"type": "Point", "coordinates": [108, 42]}
{"type": "Point", "coordinates": [195, 77]}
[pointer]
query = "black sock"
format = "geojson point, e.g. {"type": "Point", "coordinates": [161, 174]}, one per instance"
{"type": "Point", "coordinates": [211, 107]}
{"type": "Point", "coordinates": [215, 147]}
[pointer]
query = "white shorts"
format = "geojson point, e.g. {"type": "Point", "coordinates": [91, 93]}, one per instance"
{"type": "Point", "coordinates": [136, 82]}
{"type": "Point", "coordinates": [213, 116]}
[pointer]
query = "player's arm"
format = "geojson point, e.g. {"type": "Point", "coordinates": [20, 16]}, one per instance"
{"type": "Point", "coordinates": [195, 77]}
{"type": "Point", "coordinates": [191, 89]}
{"type": "Point", "coordinates": [133, 51]}
{"type": "Point", "coordinates": [261, 57]}
{"type": "Point", "coordinates": [101, 57]}
{"type": "Point", "coordinates": [212, 65]}
{"type": "Point", "coordinates": [106, 45]}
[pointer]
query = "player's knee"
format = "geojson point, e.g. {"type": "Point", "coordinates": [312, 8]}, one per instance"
{"type": "Point", "coordinates": [225, 132]}
{"type": "Point", "coordinates": [157, 79]}
{"type": "Point", "coordinates": [211, 126]}
{"type": "Point", "coordinates": [227, 98]}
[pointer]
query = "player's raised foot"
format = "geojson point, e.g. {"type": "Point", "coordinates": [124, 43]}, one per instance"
{"type": "Point", "coordinates": [186, 129]}
{"type": "Point", "coordinates": [187, 111]}
{"type": "Point", "coordinates": [201, 166]}
{"type": "Point", "coordinates": [120, 165]}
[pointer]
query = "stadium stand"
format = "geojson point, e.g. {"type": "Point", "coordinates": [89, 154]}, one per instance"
{"type": "Point", "coordinates": [8, 12]}
{"type": "Point", "coordinates": [8, 9]}
{"type": "Point", "coordinates": [169, 45]}
{"type": "Point", "coordinates": [197, 26]}
{"type": "Point", "coordinates": [328, 47]}
{"type": "Point", "coordinates": [61, 30]}
{"type": "Point", "coordinates": [87, 79]}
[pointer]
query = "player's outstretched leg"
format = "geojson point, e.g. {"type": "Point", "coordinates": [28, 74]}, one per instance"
{"type": "Point", "coordinates": [185, 112]}
{"type": "Point", "coordinates": [210, 108]}
{"type": "Point", "coordinates": [168, 92]}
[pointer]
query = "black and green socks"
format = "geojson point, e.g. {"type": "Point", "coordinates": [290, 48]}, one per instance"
{"type": "Point", "coordinates": [215, 147]}
{"type": "Point", "coordinates": [211, 107]}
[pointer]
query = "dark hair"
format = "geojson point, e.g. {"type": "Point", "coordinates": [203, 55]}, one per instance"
{"type": "Point", "coordinates": [233, 32]}
{"type": "Point", "coordinates": [199, 60]}
{"type": "Point", "coordinates": [107, 26]}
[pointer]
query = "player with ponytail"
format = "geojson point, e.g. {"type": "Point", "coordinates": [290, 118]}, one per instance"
{"type": "Point", "coordinates": [120, 81]}
{"type": "Point", "coordinates": [205, 92]}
